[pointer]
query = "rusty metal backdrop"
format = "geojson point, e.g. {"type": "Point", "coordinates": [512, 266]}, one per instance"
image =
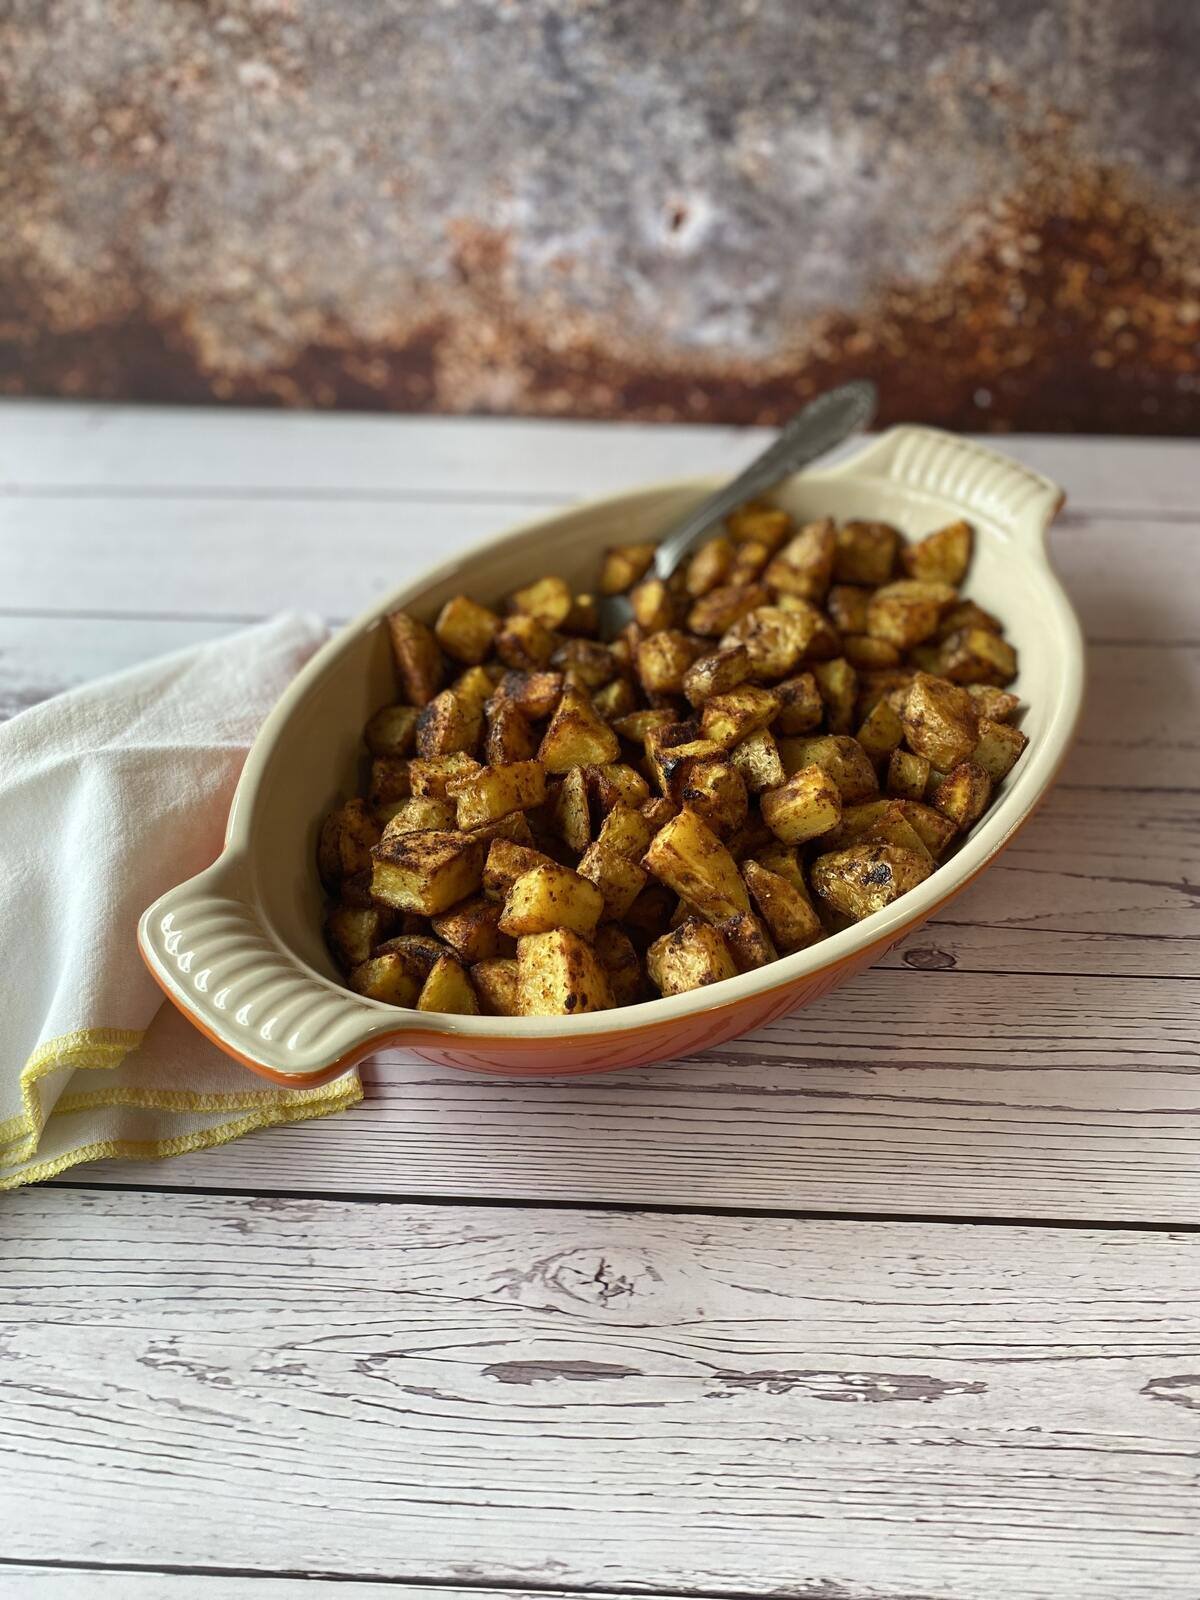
{"type": "Point", "coordinates": [656, 209]}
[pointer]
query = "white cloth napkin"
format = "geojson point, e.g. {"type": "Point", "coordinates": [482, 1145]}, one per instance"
{"type": "Point", "coordinates": [109, 795]}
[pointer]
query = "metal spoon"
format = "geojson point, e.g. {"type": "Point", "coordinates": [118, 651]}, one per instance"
{"type": "Point", "coordinates": [823, 423]}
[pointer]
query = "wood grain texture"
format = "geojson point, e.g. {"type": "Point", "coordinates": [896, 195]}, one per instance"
{"type": "Point", "coordinates": [21, 1581]}
{"type": "Point", "coordinates": [577, 1398]}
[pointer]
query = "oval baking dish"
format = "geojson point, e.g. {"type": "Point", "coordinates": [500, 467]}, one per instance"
{"type": "Point", "coordinates": [239, 948]}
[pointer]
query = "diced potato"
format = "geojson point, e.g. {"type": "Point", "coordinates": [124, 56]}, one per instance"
{"type": "Point", "coordinates": [869, 655]}
{"type": "Point", "coordinates": [748, 839]}
{"type": "Point", "coordinates": [472, 929]}
{"type": "Point", "coordinates": [709, 567]}
{"type": "Point", "coordinates": [583, 617]}
{"type": "Point", "coordinates": [559, 975]}
{"type": "Point", "coordinates": [758, 520]}
{"type": "Point", "coordinates": [837, 683]}
{"type": "Point", "coordinates": [626, 831]}
{"type": "Point", "coordinates": [577, 736]}
{"type": "Point", "coordinates": [663, 661]}
{"type": "Point", "coordinates": [420, 814]}
{"type": "Point", "coordinates": [715, 791]}
{"type": "Point", "coordinates": [748, 941]}
{"type": "Point", "coordinates": [421, 951]}
{"type": "Point", "coordinates": [966, 614]}
{"type": "Point", "coordinates": [691, 957]}
{"type": "Point", "coordinates": [717, 611]}
{"type": "Point", "coordinates": [465, 629]}
{"type": "Point", "coordinates": [426, 872]}
{"type": "Point", "coordinates": [783, 860]}
{"type": "Point", "coordinates": [572, 815]}
{"type": "Point", "coordinates": [650, 913]}
{"type": "Point", "coordinates": [804, 807]}
{"type": "Point", "coordinates": [612, 782]}
{"type": "Point", "coordinates": [999, 748]}
{"type": "Point", "coordinates": [497, 983]}
{"type": "Point", "coordinates": [658, 811]}
{"type": "Point", "coordinates": [935, 831]}
{"type": "Point", "coordinates": [352, 932]}
{"type": "Point", "coordinates": [447, 725]}
{"type": "Point", "coordinates": [535, 694]}
{"type": "Point", "coordinates": [524, 643]}
{"type": "Point", "coordinates": [963, 794]}
{"type": "Point", "coordinates": [801, 708]}
{"type": "Point", "coordinates": [907, 774]}
{"type": "Point", "coordinates": [622, 967]}
{"type": "Point", "coordinates": [390, 780]}
{"type": "Point", "coordinates": [881, 732]}
{"type": "Point", "coordinates": [940, 721]}
{"type": "Point", "coordinates": [418, 657]}
{"type": "Point", "coordinates": [653, 605]}
{"type": "Point", "coordinates": [940, 557]}
{"type": "Point", "coordinates": [804, 566]}
{"type": "Point", "coordinates": [433, 778]}
{"type": "Point", "coordinates": [688, 857]}
{"type": "Point", "coordinates": [344, 848]}
{"type": "Point", "coordinates": [551, 897]}
{"type": "Point", "coordinates": [495, 791]}
{"type": "Point", "coordinates": [882, 820]}
{"type": "Point", "coordinates": [618, 879]}
{"type": "Point", "coordinates": [716, 673]}
{"type": "Point", "coordinates": [757, 759]}
{"type": "Point", "coordinates": [865, 553]}
{"type": "Point", "coordinates": [617, 699]}
{"type": "Point", "coordinates": [779, 638]}
{"type": "Point", "coordinates": [846, 604]}
{"type": "Point", "coordinates": [975, 655]}
{"type": "Point", "coordinates": [750, 557]}
{"type": "Point", "coordinates": [389, 978]}
{"type": "Point", "coordinates": [509, 736]}
{"type": "Point", "coordinates": [623, 565]}
{"type": "Point", "coordinates": [996, 704]}
{"type": "Point", "coordinates": [843, 758]}
{"type": "Point", "coordinates": [637, 725]}
{"type": "Point", "coordinates": [672, 747]}
{"type": "Point", "coordinates": [867, 877]}
{"type": "Point", "coordinates": [549, 600]}
{"type": "Point", "coordinates": [391, 731]}
{"type": "Point", "coordinates": [506, 862]}
{"type": "Point", "coordinates": [888, 683]}
{"type": "Point", "coordinates": [585, 662]}
{"type": "Point", "coordinates": [448, 989]}
{"type": "Point", "coordinates": [727, 719]}
{"type": "Point", "coordinates": [783, 904]}
{"type": "Point", "coordinates": [908, 611]}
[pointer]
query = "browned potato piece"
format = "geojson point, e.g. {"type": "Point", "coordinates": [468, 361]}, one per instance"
{"type": "Point", "coordinates": [778, 638]}
{"type": "Point", "coordinates": [715, 791]}
{"type": "Point", "coordinates": [585, 663]}
{"type": "Point", "coordinates": [627, 831]}
{"type": "Point", "coordinates": [867, 877]}
{"type": "Point", "coordinates": [998, 749]}
{"type": "Point", "coordinates": [966, 614]}
{"type": "Point", "coordinates": [391, 731]}
{"type": "Point", "coordinates": [709, 568]}
{"type": "Point", "coordinates": [783, 860]}
{"type": "Point", "coordinates": [506, 862]}
{"type": "Point", "coordinates": [807, 805]}
{"type": "Point", "coordinates": [847, 607]}
{"type": "Point", "coordinates": [433, 778]}
{"type": "Point", "coordinates": [672, 747]}
{"type": "Point", "coordinates": [889, 683]}
{"type": "Point", "coordinates": [757, 759]}
{"type": "Point", "coordinates": [653, 605]}
{"type": "Point", "coordinates": [390, 781]}
{"type": "Point", "coordinates": [389, 978]}
{"type": "Point", "coordinates": [940, 721]}
{"type": "Point", "coordinates": [750, 838]}
{"type": "Point", "coordinates": [352, 932]}
{"type": "Point", "coordinates": [804, 566]}
{"type": "Point", "coordinates": [907, 612]}
{"type": "Point", "coordinates": [907, 774]}
{"type": "Point", "coordinates": [716, 673]}
{"type": "Point", "coordinates": [618, 879]}
{"type": "Point", "coordinates": [882, 820]}
{"type": "Point", "coordinates": [495, 791]}
{"type": "Point", "coordinates": [426, 872]}
{"type": "Point", "coordinates": [650, 913]}
{"type": "Point", "coordinates": [446, 725]}
{"type": "Point", "coordinates": [497, 983]}
{"type": "Point", "coordinates": [750, 557]}
{"type": "Point", "coordinates": [866, 552]}
{"type": "Point", "coordinates": [941, 557]}
{"type": "Point", "coordinates": [996, 704]}
{"type": "Point", "coordinates": [691, 957]}
{"type": "Point", "coordinates": [758, 520]}
{"type": "Point", "coordinates": [551, 897]}
{"type": "Point", "coordinates": [583, 617]}
{"type": "Point", "coordinates": [717, 611]}
{"type": "Point", "coordinates": [616, 954]}
{"type": "Point", "coordinates": [472, 929]}
{"type": "Point", "coordinates": [783, 904]}
{"type": "Point", "coordinates": [535, 694]}
{"type": "Point", "coordinates": [465, 629]}
{"type": "Point", "coordinates": [748, 941]}
{"type": "Point", "coordinates": [867, 654]}
{"type": "Point", "coordinates": [577, 737]}
{"type": "Point", "coordinates": [514, 827]}
{"type": "Point", "coordinates": [509, 736]}
{"type": "Point", "coordinates": [617, 699]}
{"type": "Point", "coordinates": [881, 732]}
{"type": "Point", "coordinates": [549, 600]}
{"type": "Point", "coordinates": [623, 565]}
{"type": "Point", "coordinates": [448, 989]}
{"type": "Point", "coordinates": [559, 975]}
{"type": "Point", "coordinates": [975, 655]}
{"type": "Point", "coordinates": [422, 951]}
{"type": "Point", "coordinates": [658, 811]}
{"type": "Point", "coordinates": [344, 847]}
{"type": "Point", "coordinates": [419, 813]}
{"type": "Point", "coordinates": [524, 643]}
{"type": "Point", "coordinates": [801, 708]}
{"type": "Point", "coordinates": [663, 661]}
{"type": "Point", "coordinates": [612, 782]}
{"type": "Point", "coordinates": [688, 857]}
{"type": "Point", "coordinates": [727, 719]}
{"type": "Point", "coordinates": [934, 830]}
{"type": "Point", "coordinates": [572, 815]}
{"type": "Point", "coordinates": [843, 758]}
{"type": "Point", "coordinates": [837, 682]}
{"type": "Point", "coordinates": [418, 657]}
{"type": "Point", "coordinates": [637, 725]}
{"type": "Point", "coordinates": [963, 794]}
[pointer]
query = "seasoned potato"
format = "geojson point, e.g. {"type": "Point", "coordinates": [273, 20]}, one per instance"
{"type": "Point", "coordinates": [623, 565]}
{"type": "Point", "coordinates": [976, 655]}
{"type": "Point", "coordinates": [622, 966]}
{"type": "Point", "coordinates": [998, 749]}
{"type": "Point", "coordinates": [524, 643]}
{"type": "Point", "coordinates": [691, 957]}
{"type": "Point", "coordinates": [637, 726]}
{"type": "Point", "coordinates": [996, 704]}
{"type": "Point", "coordinates": [612, 782]}
{"type": "Point", "coordinates": [421, 950]}
{"type": "Point", "coordinates": [392, 731]}
{"type": "Point", "coordinates": [618, 879]}
{"type": "Point", "coordinates": [434, 778]}
{"type": "Point", "coordinates": [493, 792]}
{"type": "Point", "coordinates": [837, 683]}
{"type": "Point", "coordinates": [717, 611]}
{"type": "Point", "coordinates": [498, 986]}
{"type": "Point", "coordinates": [709, 568]}
{"type": "Point", "coordinates": [907, 774]}
{"type": "Point", "coordinates": [551, 897]}
{"type": "Point", "coordinates": [509, 735]}
{"type": "Point", "coordinates": [465, 629]}
{"type": "Point", "coordinates": [804, 566]}
{"type": "Point", "coordinates": [390, 780]}
{"type": "Point", "coordinates": [653, 605]}
{"type": "Point", "coordinates": [506, 862]}
{"type": "Point", "coordinates": [514, 826]}
{"type": "Point", "coordinates": [941, 557]}
{"type": "Point", "coordinates": [966, 614]}
{"type": "Point", "coordinates": [627, 831]}
{"type": "Point", "coordinates": [584, 663]}
{"type": "Point", "coordinates": [727, 719]}
{"type": "Point", "coordinates": [426, 872]}
{"type": "Point", "coordinates": [344, 848]}
{"type": "Point", "coordinates": [846, 604]}
{"type": "Point", "coordinates": [865, 552]}
{"type": "Point", "coordinates": [963, 794]}
{"type": "Point", "coordinates": [448, 989]}
{"type": "Point", "coordinates": [447, 725]}
{"type": "Point", "coordinates": [940, 721]}
{"type": "Point", "coordinates": [714, 790]}
{"type": "Point", "coordinates": [935, 831]}
{"type": "Point", "coordinates": [658, 811]}
{"type": "Point", "coordinates": [748, 941]}
{"type": "Point", "coordinates": [866, 654]}
{"type": "Point", "coordinates": [663, 660]}
{"type": "Point", "coordinates": [472, 929]}
{"type": "Point", "coordinates": [389, 978]}
{"type": "Point", "coordinates": [688, 857]}
{"type": "Point", "coordinates": [418, 656]}
{"type": "Point", "coordinates": [804, 807]}
{"type": "Point", "coordinates": [559, 975]}
{"type": "Point", "coordinates": [757, 759]}
{"type": "Point", "coordinates": [572, 814]}
{"type": "Point", "coordinates": [778, 639]}
{"type": "Point", "coordinates": [352, 932]}
{"type": "Point", "coordinates": [881, 732]}
{"type": "Point", "coordinates": [716, 673]}
{"type": "Point", "coordinates": [577, 736]}
{"type": "Point", "coordinates": [882, 820]}
{"type": "Point", "coordinates": [783, 904]}
{"type": "Point", "coordinates": [535, 694]}
{"type": "Point", "coordinates": [617, 699]}
{"type": "Point", "coordinates": [907, 612]}
{"type": "Point", "coordinates": [420, 813]}
{"type": "Point", "coordinates": [760, 521]}
{"type": "Point", "coordinates": [801, 709]}
{"type": "Point", "coordinates": [866, 877]}
{"type": "Point", "coordinates": [549, 600]}
{"type": "Point", "coordinates": [672, 747]}
{"type": "Point", "coordinates": [843, 758]}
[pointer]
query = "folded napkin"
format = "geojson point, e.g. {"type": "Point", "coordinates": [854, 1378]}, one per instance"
{"type": "Point", "coordinates": [109, 795]}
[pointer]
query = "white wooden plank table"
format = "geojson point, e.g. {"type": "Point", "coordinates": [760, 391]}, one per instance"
{"type": "Point", "coordinates": [897, 1298]}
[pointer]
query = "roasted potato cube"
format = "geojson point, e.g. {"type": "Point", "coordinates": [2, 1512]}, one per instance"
{"type": "Point", "coordinates": [422, 951]}
{"type": "Point", "coordinates": [658, 811]}
{"type": "Point", "coordinates": [618, 879]}
{"type": "Point", "coordinates": [627, 831]}
{"type": "Point", "coordinates": [419, 814]}
{"type": "Point", "coordinates": [934, 830]}
{"type": "Point", "coordinates": [389, 781]}
{"type": "Point", "coordinates": [493, 792]}
{"type": "Point", "coordinates": [637, 725]}
{"type": "Point", "coordinates": [996, 704]}
{"type": "Point", "coordinates": [435, 776]}
{"type": "Point", "coordinates": [583, 617]}
{"type": "Point", "coordinates": [688, 857]}
{"type": "Point", "coordinates": [653, 605]}
{"type": "Point", "coordinates": [344, 846]}
{"type": "Point", "coordinates": [709, 568]}
{"type": "Point", "coordinates": [975, 655]}
{"type": "Point", "coordinates": [749, 559]}
{"type": "Point", "coordinates": [352, 933]}
{"type": "Point", "coordinates": [804, 807]}
{"type": "Point", "coordinates": [801, 708]}
{"type": "Point", "coordinates": [907, 612]}
{"type": "Point", "coordinates": [748, 941]}
{"type": "Point", "coordinates": [752, 836]}
{"type": "Point", "coordinates": [650, 913]}
{"type": "Point", "coordinates": [966, 614]}
{"type": "Point", "coordinates": [869, 655]}
{"type": "Point", "coordinates": [865, 553]}
{"type": "Point", "coordinates": [572, 815]}
{"type": "Point", "coordinates": [418, 655]}
{"type": "Point", "coordinates": [524, 643]}
{"type": "Point", "coordinates": [867, 877]}
{"type": "Point", "coordinates": [611, 782]}
{"type": "Point", "coordinates": [514, 827]}
{"type": "Point", "coordinates": [759, 520]}
{"type": "Point", "coordinates": [716, 673]}
{"type": "Point", "coordinates": [998, 749]}
{"type": "Point", "coordinates": [585, 663]}
{"type": "Point", "coordinates": [715, 791]}
{"type": "Point", "coordinates": [779, 637]}
{"type": "Point", "coordinates": [535, 694]}
{"type": "Point", "coordinates": [465, 629]}
{"type": "Point", "coordinates": [509, 736]}
{"type": "Point", "coordinates": [389, 978]}
{"type": "Point", "coordinates": [881, 732]}
{"type": "Point", "coordinates": [804, 566]}
{"type": "Point", "coordinates": [506, 862]}
{"type": "Point", "coordinates": [783, 860]}
{"type": "Point", "coordinates": [717, 611]}
{"type": "Point", "coordinates": [963, 794]}
{"type": "Point", "coordinates": [670, 746]}
{"type": "Point", "coordinates": [727, 719]}
{"type": "Point", "coordinates": [623, 565]}
{"type": "Point", "coordinates": [446, 725]}
{"type": "Point", "coordinates": [560, 975]}
{"type": "Point", "coordinates": [888, 683]}
{"type": "Point", "coordinates": [783, 904]}
{"type": "Point", "coordinates": [472, 929]}
{"type": "Point", "coordinates": [448, 989]}
{"type": "Point", "coordinates": [941, 557]}
{"type": "Point", "coordinates": [757, 759]}
{"type": "Point", "coordinates": [881, 820]}
{"type": "Point", "coordinates": [837, 683]}
{"type": "Point", "coordinates": [691, 957]}
{"type": "Point", "coordinates": [622, 967]}
{"type": "Point", "coordinates": [847, 607]}
{"type": "Point", "coordinates": [391, 731]}
{"type": "Point", "coordinates": [617, 699]}
{"type": "Point", "coordinates": [940, 721]}
{"type": "Point", "coordinates": [497, 983]}
{"type": "Point", "coordinates": [551, 897]}
{"type": "Point", "coordinates": [426, 872]}
{"type": "Point", "coordinates": [577, 736]}
{"type": "Point", "coordinates": [549, 600]}
{"type": "Point", "coordinates": [907, 774]}
{"type": "Point", "coordinates": [663, 661]}
{"type": "Point", "coordinates": [843, 758]}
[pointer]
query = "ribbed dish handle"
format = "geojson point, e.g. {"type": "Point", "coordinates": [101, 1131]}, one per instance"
{"type": "Point", "coordinates": [207, 947]}
{"type": "Point", "coordinates": [983, 483]}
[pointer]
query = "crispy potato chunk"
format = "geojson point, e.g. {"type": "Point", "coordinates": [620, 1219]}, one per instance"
{"type": "Point", "coordinates": [882, 820]}
{"type": "Point", "coordinates": [658, 811]}
{"type": "Point", "coordinates": [846, 604]}
{"type": "Point", "coordinates": [748, 941]}
{"type": "Point", "coordinates": [935, 831]}
{"type": "Point", "coordinates": [709, 568]}
{"type": "Point", "coordinates": [391, 731]}
{"type": "Point", "coordinates": [497, 983]}
{"type": "Point", "coordinates": [760, 521]}
{"type": "Point", "coordinates": [804, 566]}
{"type": "Point", "coordinates": [663, 661]}
{"type": "Point", "coordinates": [907, 774]}
{"type": "Point", "coordinates": [963, 794]}
{"type": "Point", "coordinates": [801, 709]}
{"type": "Point", "coordinates": [837, 683]}
{"type": "Point", "coordinates": [940, 721]}
{"type": "Point", "coordinates": [783, 904]}
{"type": "Point", "coordinates": [998, 749]}
{"type": "Point", "coordinates": [426, 872]}
{"type": "Point", "coordinates": [996, 704]}
{"type": "Point", "coordinates": [670, 750]}
{"type": "Point", "coordinates": [757, 759]}
{"type": "Point", "coordinates": [352, 933]}
{"type": "Point", "coordinates": [881, 732]}
{"type": "Point", "coordinates": [559, 975]}
{"type": "Point", "coordinates": [806, 806]}
{"type": "Point", "coordinates": [421, 951]}
{"type": "Point", "coordinates": [390, 781]}
{"type": "Point", "coordinates": [344, 847]}
{"type": "Point", "coordinates": [612, 782]}
{"type": "Point", "coordinates": [907, 612]}
{"type": "Point", "coordinates": [577, 736]}
{"type": "Point", "coordinates": [718, 610]}
{"type": "Point", "coordinates": [616, 699]}
{"type": "Point", "coordinates": [551, 897]}
{"type": "Point", "coordinates": [465, 629]}
{"type": "Point", "coordinates": [514, 826]}
{"type": "Point", "coordinates": [509, 736]}
{"type": "Point", "coordinates": [389, 978]}
{"type": "Point", "coordinates": [966, 614]}
{"type": "Point", "coordinates": [865, 553]}
{"type": "Point", "coordinates": [867, 877]}
{"type": "Point", "coordinates": [584, 663]}
{"type": "Point", "coordinates": [524, 643]}
{"type": "Point", "coordinates": [572, 814]}
{"type": "Point", "coordinates": [688, 857]}
{"type": "Point", "coordinates": [472, 929]}
{"type": "Point", "coordinates": [418, 657]}
{"type": "Point", "coordinates": [716, 791]}
{"type": "Point", "coordinates": [650, 913]}
{"type": "Point", "coordinates": [506, 862]}
{"type": "Point", "coordinates": [653, 605]}
{"type": "Point", "coordinates": [727, 719]}
{"type": "Point", "coordinates": [434, 778]}
{"type": "Point", "coordinates": [623, 565]}
{"type": "Point", "coordinates": [448, 989]}
{"type": "Point", "coordinates": [549, 600]}
{"type": "Point", "coordinates": [420, 814]}
{"type": "Point", "coordinates": [447, 725]}
{"type": "Point", "coordinates": [716, 673]}
{"type": "Point", "coordinates": [637, 726]}
{"type": "Point", "coordinates": [843, 758]}
{"type": "Point", "coordinates": [622, 967]}
{"type": "Point", "coordinates": [976, 655]}
{"type": "Point", "coordinates": [691, 957]}
{"type": "Point", "coordinates": [627, 831]}
{"type": "Point", "coordinates": [493, 792]}
{"type": "Point", "coordinates": [941, 557]}
{"type": "Point", "coordinates": [869, 655]}
{"type": "Point", "coordinates": [535, 694]}
{"type": "Point", "coordinates": [618, 879]}
{"type": "Point", "coordinates": [779, 638]}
